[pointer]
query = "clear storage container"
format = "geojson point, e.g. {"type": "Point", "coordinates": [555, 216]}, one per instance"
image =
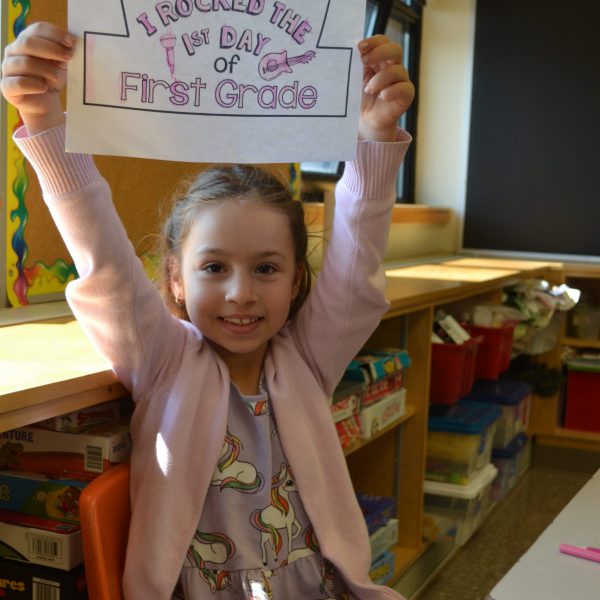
{"type": "Point", "coordinates": [457, 510]}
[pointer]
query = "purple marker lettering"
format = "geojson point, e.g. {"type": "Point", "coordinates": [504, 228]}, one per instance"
{"type": "Point", "coordinates": [255, 7]}
{"type": "Point", "coordinates": [125, 85]}
{"type": "Point", "coordinates": [289, 22]}
{"type": "Point", "coordinates": [143, 20]}
{"type": "Point", "coordinates": [279, 8]}
{"type": "Point", "coordinates": [184, 8]}
{"type": "Point", "coordinates": [228, 37]}
{"type": "Point", "coordinates": [198, 86]}
{"type": "Point", "coordinates": [301, 31]}
{"type": "Point", "coordinates": [178, 93]}
{"type": "Point", "coordinates": [201, 6]}
{"type": "Point", "coordinates": [261, 43]}
{"type": "Point", "coordinates": [166, 13]}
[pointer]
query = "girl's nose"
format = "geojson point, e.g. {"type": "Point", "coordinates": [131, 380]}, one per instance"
{"type": "Point", "coordinates": [240, 289]}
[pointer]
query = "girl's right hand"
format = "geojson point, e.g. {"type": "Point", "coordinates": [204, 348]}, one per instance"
{"type": "Point", "coordinates": [34, 71]}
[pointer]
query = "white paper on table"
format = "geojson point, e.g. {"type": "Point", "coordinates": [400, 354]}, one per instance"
{"type": "Point", "coordinates": [215, 80]}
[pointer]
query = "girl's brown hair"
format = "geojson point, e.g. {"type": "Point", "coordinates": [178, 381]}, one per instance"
{"type": "Point", "coordinates": [222, 184]}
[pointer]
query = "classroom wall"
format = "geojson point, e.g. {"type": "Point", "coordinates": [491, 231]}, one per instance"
{"type": "Point", "coordinates": [444, 105]}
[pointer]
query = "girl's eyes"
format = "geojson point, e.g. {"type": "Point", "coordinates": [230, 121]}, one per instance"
{"type": "Point", "coordinates": [263, 269]}
{"type": "Point", "coordinates": [266, 269]}
{"type": "Point", "coordinates": [213, 268]}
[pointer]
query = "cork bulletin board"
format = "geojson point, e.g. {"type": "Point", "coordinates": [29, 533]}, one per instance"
{"type": "Point", "coordinates": [36, 264]}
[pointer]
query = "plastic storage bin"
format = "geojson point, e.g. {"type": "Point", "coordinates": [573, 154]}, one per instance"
{"type": "Point", "coordinates": [452, 370]}
{"type": "Point", "coordinates": [512, 397]}
{"type": "Point", "coordinates": [511, 463]}
{"type": "Point", "coordinates": [495, 351]}
{"type": "Point", "coordinates": [459, 441]}
{"type": "Point", "coordinates": [583, 395]}
{"type": "Point", "coordinates": [457, 510]}
{"type": "Point", "coordinates": [377, 510]}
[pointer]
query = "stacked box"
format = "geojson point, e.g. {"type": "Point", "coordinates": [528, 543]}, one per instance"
{"type": "Point", "coordinates": [20, 581]}
{"type": "Point", "coordinates": [41, 496]}
{"type": "Point", "coordinates": [83, 418]}
{"type": "Point", "coordinates": [384, 538]}
{"type": "Point", "coordinates": [382, 569]}
{"type": "Point", "coordinates": [376, 417]}
{"type": "Point", "coordinates": [40, 541]}
{"type": "Point", "coordinates": [376, 364]}
{"type": "Point", "coordinates": [377, 510]}
{"type": "Point", "coordinates": [345, 404]}
{"type": "Point", "coordinates": [81, 456]}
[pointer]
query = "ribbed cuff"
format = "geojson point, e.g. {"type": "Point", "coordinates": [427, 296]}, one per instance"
{"type": "Point", "coordinates": [373, 172]}
{"type": "Point", "coordinates": [59, 172]}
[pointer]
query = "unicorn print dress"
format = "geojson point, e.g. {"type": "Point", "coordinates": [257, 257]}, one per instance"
{"type": "Point", "coordinates": [254, 540]}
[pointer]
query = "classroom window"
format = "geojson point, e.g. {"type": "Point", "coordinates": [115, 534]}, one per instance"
{"type": "Point", "coordinates": [400, 20]}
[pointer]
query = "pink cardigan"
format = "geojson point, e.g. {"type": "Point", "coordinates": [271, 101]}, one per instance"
{"type": "Point", "coordinates": [180, 385]}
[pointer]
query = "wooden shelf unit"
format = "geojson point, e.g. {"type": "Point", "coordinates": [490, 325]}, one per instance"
{"type": "Point", "coordinates": [545, 412]}
{"type": "Point", "coordinates": [53, 374]}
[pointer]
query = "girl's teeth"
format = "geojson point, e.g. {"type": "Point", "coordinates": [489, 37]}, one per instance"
{"type": "Point", "coordinates": [241, 321]}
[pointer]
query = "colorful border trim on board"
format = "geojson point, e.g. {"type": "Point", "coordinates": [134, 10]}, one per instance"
{"type": "Point", "coordinates": [23, 283]}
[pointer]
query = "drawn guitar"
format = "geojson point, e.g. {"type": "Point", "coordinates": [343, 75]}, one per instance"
{"type": "Point", "coordinates": [274, 64]}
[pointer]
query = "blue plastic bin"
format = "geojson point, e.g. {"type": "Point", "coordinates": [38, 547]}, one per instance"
{"type": "Point", "coordinates": [511, 462]}
{"type": "Point", "coordinates": [459, 441]}
{"type": "Point", "coordinates": [513, 399]}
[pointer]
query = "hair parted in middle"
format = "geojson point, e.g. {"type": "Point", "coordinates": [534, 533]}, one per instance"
{"type": "Point", "coordinates": [226, 183]}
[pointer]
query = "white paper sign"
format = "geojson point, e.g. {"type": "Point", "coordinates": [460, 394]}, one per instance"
{"type": "Point", "coordinates": [215, 80]}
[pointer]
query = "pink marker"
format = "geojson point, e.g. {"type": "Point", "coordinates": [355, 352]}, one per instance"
{"type": "Point", "coordinates": [167, 41]}
{"type": "Point", "coordinates": [589, 553]}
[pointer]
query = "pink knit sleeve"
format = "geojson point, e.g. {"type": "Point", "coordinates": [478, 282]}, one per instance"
{"type": "Point", "coordinates": [349, 297]}
{"type": "Point", "coordinates": [118, 307]}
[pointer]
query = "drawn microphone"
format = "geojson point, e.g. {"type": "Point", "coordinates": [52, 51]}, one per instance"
{"type": "Point", "coordinates": [167, 41]}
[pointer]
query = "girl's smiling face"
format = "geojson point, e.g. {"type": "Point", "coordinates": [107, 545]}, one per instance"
{"type": "Point", "coordinates": [238, 275]}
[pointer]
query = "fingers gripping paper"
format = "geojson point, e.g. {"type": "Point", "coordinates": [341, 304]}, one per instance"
{"type": "Point", "coordinates": [215, 80]}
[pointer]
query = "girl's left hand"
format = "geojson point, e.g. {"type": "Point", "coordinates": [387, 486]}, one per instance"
{"type": "Point", "coordinates": [387, 89]}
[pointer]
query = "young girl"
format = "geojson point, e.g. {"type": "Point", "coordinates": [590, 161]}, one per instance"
{"type": "Point", "coordinates": [239, 487]}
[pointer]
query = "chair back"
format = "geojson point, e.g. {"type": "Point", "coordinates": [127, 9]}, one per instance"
{"type": "Point", "coordinates": [105, 513]}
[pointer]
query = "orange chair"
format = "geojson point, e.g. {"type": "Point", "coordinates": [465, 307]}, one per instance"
{"type": "Point", "coordinates": [105, 513]}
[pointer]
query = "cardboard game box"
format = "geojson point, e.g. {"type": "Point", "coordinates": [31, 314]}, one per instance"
{"type": "Point", "coordinates": [78, 420]}
{"type": "Point", "coordinates": [83, 455]}
{"type": "Point", "coordinates": [40, 541]}
{"type": "Point", "coordinates": [21, 581]}
{"type": "Point", "coordinates": [40, 496]}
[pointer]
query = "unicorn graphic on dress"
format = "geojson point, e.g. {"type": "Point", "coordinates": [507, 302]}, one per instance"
{"type": "Point", "coordinates": [280, 514]}
{"type": "Point", "coordinates": [214, 548]}
{"type": "Point", "coordinates": [311, 547]}
{"type": "Point", "coordinates": [234, 474]}
{"type": "Point", "coordinates": [260, 590]}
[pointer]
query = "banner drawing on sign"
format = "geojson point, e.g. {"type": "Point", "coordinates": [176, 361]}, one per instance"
{"type": "Point", "coordinates": [263, 62]}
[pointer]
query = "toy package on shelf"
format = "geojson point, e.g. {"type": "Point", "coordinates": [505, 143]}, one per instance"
{"type": "Point", "coordinates": [376, 364]}
{"type": "Point", "coordinates": [377, 510]}
{"type": "Point", "coordinates": [41, 496]}
{"type": "Point", "coordinates": [345, 404]}
{"type": "Point", "coordinates": [40, 541]}
{"type": "Point", "coordinates": [384, 538]}
{"type": "Point", "coordinates": [346, 400]}
{"type": "Point", "coordinates": [382, 568]}
{"type": "Point", "coordinates": [375, 417]}
{"type": "Point", "coordinates": [83, 455]}
{"type": "Point", "coordinates": [380, 388]}
{"type": "Point", "coordinates": [78, 420]}
{"type": "Point", "coordinates": [22, 581]}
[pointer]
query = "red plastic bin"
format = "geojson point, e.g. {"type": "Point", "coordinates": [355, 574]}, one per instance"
{"type": "Point", "coordinates": [452, 370]}
{"type": "Point", "coordinates": [583, 397]}
{"type": "Point", "coordinates": [495, 351]}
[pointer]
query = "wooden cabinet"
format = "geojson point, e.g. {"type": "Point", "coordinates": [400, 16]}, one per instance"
{"type": "Point", "coordinates": [49, 368]}
{"type": "Point", "coordinates": [546, 412]}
